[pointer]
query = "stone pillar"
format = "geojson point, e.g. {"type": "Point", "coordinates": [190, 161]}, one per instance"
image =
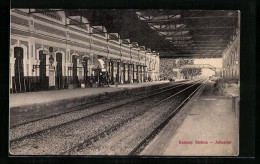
{"type": "Point", "coordinates": [112, 72]}
{"type": "Point", "coordinates": [126, 72]}
{"type": "Point", "coordinates": [85, 67]}
{"type": "Point", "coordinates": [129, 79]}
{"type": "Point", "coordinates": [145, 74]}
{"type": "Point", "coordinates": [141, 73]}
{"type": "Point", "coordinates": [123, 72]}
{"type": "Point", "coordinates": [51, 77]}
{"type": "Point", "coordinates": [117, 72]}
{"type": "Point", "coordinates": [137, 73]}
{"type": "Point", "coordinates": [51, 70]}
{"type": "Point", "coordinates": [133, 66]}
{"type": "Point", "coordinates": [109, 70]}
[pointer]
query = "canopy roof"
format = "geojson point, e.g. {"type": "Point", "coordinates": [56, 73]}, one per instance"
{"type": "Point", "coordinates": [172, 33]}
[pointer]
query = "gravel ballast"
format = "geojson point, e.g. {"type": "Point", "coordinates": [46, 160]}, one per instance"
{"type": "Point", "coordinates": [122, 141]}
{"type": "Point", "coordinates": [60, 139]}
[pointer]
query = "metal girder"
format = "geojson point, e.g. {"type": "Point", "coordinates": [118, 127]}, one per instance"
{"type": "Point", "coordinates": [189, 21]}
{"type": "Point", "coordinates": [208, 45]}
{"type": "Point", "coordinates": [209, 31]}
{"type": "Point", "coordinates": [191, 56]}
{"type": "Point", "coordinates": [183, 18]}
{"type": "Point", "coordinates": [172, 53]}
{"type": "Point", "coordinates": [214, 25]}
{"type": "Point", "coordinates": [197, 35]}
{"type": "Point", "coordinates": [201, 45]}
{"type": "Point", "coordinates": [219, 28]}
{"type": "Point", "coordinates": [188, 57]}
{"type": "Point", "coordinates": [198, 54]}
{"type": "Point", "coordinates": [187, 13]}
{"type": "Point", "coordinates": [202, 48]}
{"type": "Point", "coordinates": [193, 28]}
{"type": "Point", "coordinates": [185, 49]}
{"type": "Point", "coordinates": [209, 41]}
{"type": "Point", "coordinates": [180, 29]}
{"type": "Point", "coordinates": [152, 12]}
{"type": "Point", "coordinates": [201, 52]}
{"type": "Point", "coordinates": [182, 12]}
{"type": "Point", "coordinates": [205, 51]}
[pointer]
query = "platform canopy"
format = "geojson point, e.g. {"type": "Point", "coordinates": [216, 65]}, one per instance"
{"type": "Point", "coordinates": [192, 33]}
{"type": "Point", "coordinates": [172, 33]}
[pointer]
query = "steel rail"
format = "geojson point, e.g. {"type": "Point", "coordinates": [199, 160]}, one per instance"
{"type": "Point", "coordinates": [82, 107]}
{"type": "Point", "coordinates": [91, 115]}
{"type": "Point", "coordinates": [95, 138]}
{"type": "Point", "coordinates": [137, 150]}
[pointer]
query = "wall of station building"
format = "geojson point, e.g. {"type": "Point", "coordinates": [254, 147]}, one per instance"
{"type": "Point", "coordinates": [78, 53]}
{"type": "Point", "coordinates": [231, 59]}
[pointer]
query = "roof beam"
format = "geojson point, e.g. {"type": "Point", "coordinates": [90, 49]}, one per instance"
{"type": "Point", "coordinates": [210, 41]}
{"type": "Point", "coordinates": [193, 28]}
{"type": "Point", "coordinates": [184, 18]}
{"type": "Point", "coordinates": [196, 35]}
{"type": "Point", "coordinates": [201, 51]}
{"type": "Point", "coordinates": [205, 51]}
{"type": "Point", "coordinates": [209, 44]}
{"type": "Point", "coordinates": [191, 56]}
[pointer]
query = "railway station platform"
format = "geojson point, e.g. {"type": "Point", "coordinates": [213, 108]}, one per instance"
{"type": "Point", "coordinates": [34, 105]}
{"type": "Point", "coordinates": [208, 125]}
{"type": "Point", "coordinates": [29, 98]}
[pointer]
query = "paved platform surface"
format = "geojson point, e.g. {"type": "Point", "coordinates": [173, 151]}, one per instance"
{"type": "Point", "coordinates": [29, 98]}
{"type": "Point", "coordinates": [205, 119]}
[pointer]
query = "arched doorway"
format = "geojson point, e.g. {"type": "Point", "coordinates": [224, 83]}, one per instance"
{"type": "Point", "coordinates": [111, 71]}
{"type": "Point", "coordinates": [101, 65]}
{"type": "Point", "coordinates": [74, 69]}
{"type": "Point", "coordinates": [100, 76]}
{"type": "Point", "coordinates": [18, 70]}
{"type": "Point", "coordinates": [98, 66]}
{"type": "Point", "coordinates": [42, 70]}
{"type": "Point", "coordinates": [59, 82]}
{"type": "Point", "coordinates": [85, 68]}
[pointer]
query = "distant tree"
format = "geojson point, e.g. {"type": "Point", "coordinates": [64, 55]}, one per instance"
{"type": "Point", "coordinates": [174, 63]}
{"type": "Point", "coordinates": [182, 62]}
{"type": "Point", "coordinates": [167, 66]}
{"type": "Point", "coordinates": [186, 72]}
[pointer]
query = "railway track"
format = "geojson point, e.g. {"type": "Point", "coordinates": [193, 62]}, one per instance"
{"type": "Point", "coordinates": [23, 135]}
{"type": "Point", "coordinates": [123, 140]}
{"type": "Point", "coordinates": [106, 131]}
{"type": "Point", "coordinates": [95, 138]}
{"type": "Point", "coordinates": [83, 107]}
{"type": "Point", "coordinates": [151, 135]}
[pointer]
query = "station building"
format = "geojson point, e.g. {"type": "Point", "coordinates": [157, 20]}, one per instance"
{"type": "Point", "coordinates": [231, 55]}
{"type": "Point", "coordinates": [52, 51]}
{"type": "Point", "coordinates": [231, 59]}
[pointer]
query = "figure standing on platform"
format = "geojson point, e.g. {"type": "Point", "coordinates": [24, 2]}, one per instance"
{"type": "Point", "coordinates": [91, 80]}
{"type": "Point", "coordinates": [107, 79]}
